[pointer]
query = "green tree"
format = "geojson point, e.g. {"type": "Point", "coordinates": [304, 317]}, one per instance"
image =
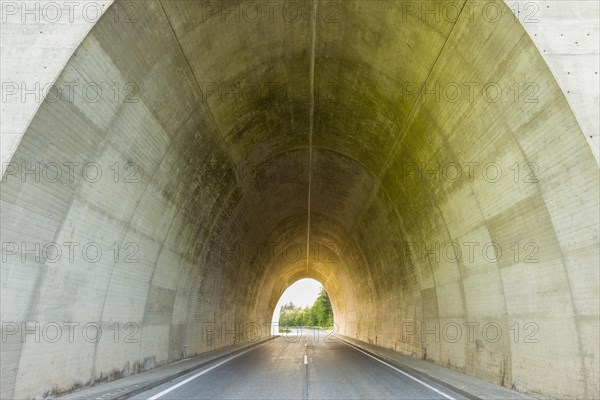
{"type": "Point", "coordinates": [319, 314]}
{"type": "Point", "coordinates": [322, 309]}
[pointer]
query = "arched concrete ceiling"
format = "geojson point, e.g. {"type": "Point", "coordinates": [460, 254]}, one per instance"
{"type": "Point", "coordinates": [567, 34]}
{"type": "Point", "coordinates": [237, 186]}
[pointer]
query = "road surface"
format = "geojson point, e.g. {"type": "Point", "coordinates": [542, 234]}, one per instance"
{"type": "Point", "coordinates": [306, 366]}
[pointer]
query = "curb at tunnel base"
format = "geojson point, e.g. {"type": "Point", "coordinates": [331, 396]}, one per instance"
{"type": "Point", "coordinates": [488, 390]}
{"type": "Point", "coordinates": [134, 389]}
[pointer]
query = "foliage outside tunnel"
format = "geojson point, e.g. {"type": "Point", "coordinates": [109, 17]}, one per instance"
{"type": "Point", "coordinates": [408, 162]}
{"type": "Point", "coordinates": [319, 314]}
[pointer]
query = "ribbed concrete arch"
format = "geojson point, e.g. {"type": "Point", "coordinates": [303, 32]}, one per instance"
{"type": "Point", "coordinates": [210, 229]}
{"type": "Point", "coordinates": [328, 271]}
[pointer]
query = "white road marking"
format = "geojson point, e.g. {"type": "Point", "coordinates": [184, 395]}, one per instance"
{"type": "Point", "coordinates": [305, 359]}
{"type": "Point", "coordinates": [403, 373]}
{"type": "Point", "coordinates": [156, 396]}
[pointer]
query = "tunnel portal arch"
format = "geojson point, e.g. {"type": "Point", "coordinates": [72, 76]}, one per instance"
{"type": "Point", "coordinates": [383, 140]}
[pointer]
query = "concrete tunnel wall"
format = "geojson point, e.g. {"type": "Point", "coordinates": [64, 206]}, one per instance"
{"type": "Point", "coordinates": [217, 243]}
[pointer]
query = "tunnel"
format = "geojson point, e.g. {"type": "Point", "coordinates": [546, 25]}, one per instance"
{"type": "Point", "coordinates": [193, 159]}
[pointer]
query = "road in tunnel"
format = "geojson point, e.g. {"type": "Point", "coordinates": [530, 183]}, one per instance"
{"type": "Point", "coordinates": [243, 155]}
{"type": "Point", "coordinates": [278, 370]}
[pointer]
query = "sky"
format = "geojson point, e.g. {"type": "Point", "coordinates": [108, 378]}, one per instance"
{"type": "Point", "coordinates": [302, 293]}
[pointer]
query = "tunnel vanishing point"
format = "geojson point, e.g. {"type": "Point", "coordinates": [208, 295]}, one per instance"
{"type": "Point", "coordinates": [173, 165]}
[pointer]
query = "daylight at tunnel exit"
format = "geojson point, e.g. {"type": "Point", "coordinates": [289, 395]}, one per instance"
{"type": "Point", "coordinates": [299, 199]}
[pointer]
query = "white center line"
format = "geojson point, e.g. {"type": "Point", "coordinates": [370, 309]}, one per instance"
{"type": "Point", "coordinates": [403, 373]}
{"type": "Point", "coordinates": [305, 359]}
{"type": "Point", "coordinates": [156, 396]}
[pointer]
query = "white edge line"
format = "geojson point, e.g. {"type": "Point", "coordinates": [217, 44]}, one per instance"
{"type": "Point", "coordinates": [156, 396]}
{"type": "Point", "coordinates": [403, 373]}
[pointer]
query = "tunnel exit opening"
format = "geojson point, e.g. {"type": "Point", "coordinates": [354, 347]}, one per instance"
{"type": "Point", "coordinates": [303, 305]}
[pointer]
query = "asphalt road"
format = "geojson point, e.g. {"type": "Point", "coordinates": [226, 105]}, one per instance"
{"type": "Point", "coordinates": [277, 370]}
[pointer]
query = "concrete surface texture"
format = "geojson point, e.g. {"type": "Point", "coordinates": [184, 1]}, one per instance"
{"type": "Point", "coordinates": [196, 158]}
{"type": "Point", "coordinates": [567, 34]}
{"type": "Point", "coordinates": [37, 39]}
